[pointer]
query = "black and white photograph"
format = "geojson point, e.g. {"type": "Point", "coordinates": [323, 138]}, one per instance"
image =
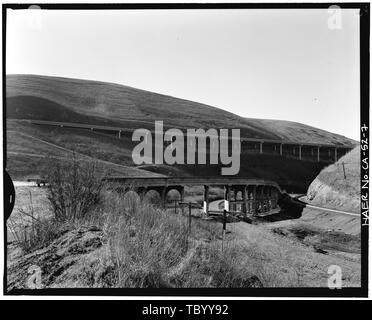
{"type": "Point", "coordinates": [196, 149]}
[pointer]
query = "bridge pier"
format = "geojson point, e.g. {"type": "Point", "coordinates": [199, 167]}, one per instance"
{"type": "Point", "coordinates": [245, 200]}
{"type": "Point", "coordinates": [260, 198]}
{"type": "Point", "coordinates": [182, 192]}
{"type": "Point", "coordinates": [236, 190]}
{"type": "Point", "coordinates": [163, 196]}
{"type": "Point", "coordinates": [254, 200]}
{"type": "Point", "coordinates": [141, 191]}
{"type": "Point", "coordinates": [263, 199]}
{"type": "Point", "coordinates": [276, 197]}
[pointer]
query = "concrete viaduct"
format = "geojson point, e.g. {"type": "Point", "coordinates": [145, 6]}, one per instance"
{"type": "Point", "coordinates": [297, 150]}
{"type": "Point", "coordinates": [251, 195]}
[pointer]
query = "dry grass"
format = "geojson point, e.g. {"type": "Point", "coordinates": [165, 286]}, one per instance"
{"type": "Point", "coordinates": [338, 185]}
{"type": "Point", "coordinates": [146, 246]}
{"type": "Point", "coordinates": [144, 241]}
{"type": "Point", "coordinates": [152, 248]}
{"type": "Point", "coordinates": [30, 231]}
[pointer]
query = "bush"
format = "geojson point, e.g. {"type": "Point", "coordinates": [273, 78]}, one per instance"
{"type": "Point", "coordinates": [74, 188]}
{"type": "Point", "coordinates": [144, 241]}
{"type": "Point", "coordinates": [31, 232]}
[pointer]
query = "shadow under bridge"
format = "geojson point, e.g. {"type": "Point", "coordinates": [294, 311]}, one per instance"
{"type": "Point", "coordinates": [251, 196]}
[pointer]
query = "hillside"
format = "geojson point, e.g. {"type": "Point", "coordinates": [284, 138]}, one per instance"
{"type": "Point", "coordinates": [92, 102]}
{"type": "Point", "coordinates": [294, 131]}
{"type": "Point", "coordinates": [334, 189]}
{"type": "Point", "coordinates": [74, 100]}
{"type": "Point", "coordinates": [120, 104]}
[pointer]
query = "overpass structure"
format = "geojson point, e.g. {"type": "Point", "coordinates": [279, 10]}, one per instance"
{"type": "Point", "coordinates": [252, 195]}
{"type": "Point", "coordinates": [317, 152]}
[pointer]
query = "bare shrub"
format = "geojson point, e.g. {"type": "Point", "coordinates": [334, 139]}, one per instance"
{"type": "Point", "coordinates": [31, 232]}
{"type": "Point", "coordinates": [74, 188]}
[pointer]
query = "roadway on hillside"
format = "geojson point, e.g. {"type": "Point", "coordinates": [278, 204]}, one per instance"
{"type": "Point", "coordinates": [301, 202]}
{"type": "Point", "coordinates": [117, 129]}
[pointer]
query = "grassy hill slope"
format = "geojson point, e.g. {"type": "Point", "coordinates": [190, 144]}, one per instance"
{"type": "Point", "coordinates": [30, 149]}
{"type": "Point", "coordinates": [73, 100]}
{"type": "Point", "coordinates": [117, 103]}
{"type": "Point", "coordinates": [294, 131]}
{"type": "Point", "coordinates": [334, 189]}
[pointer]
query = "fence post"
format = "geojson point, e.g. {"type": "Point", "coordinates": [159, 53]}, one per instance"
{"type": "Point", "coordinates": [223, 227]}
{"type": "Point", "coordinates": [343, 166]}
{"type": "Point", "coordinates": [175, 206]}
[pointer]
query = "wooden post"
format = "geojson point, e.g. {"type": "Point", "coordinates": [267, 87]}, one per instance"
{"type": "Point", "coordinates": [300, 151]}
{"type": "Point", "coordinates": [343, 166]}
{"type": "Point", "coordinates": [335, 154]}
{"type": "Point", "coordinates": [261, 143]}
{"type": "Point", "coordinates": [223, 227]}
{"type": "Point", "coordinates": [175, 206]}
{"type": "Point", "coordinates": [281, 149]}
{"type": "Point", "coordinates": [224, 220]}
{"type": "Point", "coordinates": [119, 134]}
{"type": "Point", "coordinates": [206, 200]}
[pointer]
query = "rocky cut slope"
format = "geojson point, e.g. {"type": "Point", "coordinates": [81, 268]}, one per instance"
{"type": "Point", "coordinates": [338, 185]}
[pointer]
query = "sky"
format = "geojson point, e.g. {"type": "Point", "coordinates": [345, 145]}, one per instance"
{"type": "Point", "coordinates": [270, 64]}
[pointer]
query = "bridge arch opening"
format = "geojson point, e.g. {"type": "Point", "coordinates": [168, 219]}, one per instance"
{"type": "Point", "coordinates": [173, 194]}
{"type": "Point", "coordinates": [131, 200]}
{"type": "Point", "coordinates": [153, 196]}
